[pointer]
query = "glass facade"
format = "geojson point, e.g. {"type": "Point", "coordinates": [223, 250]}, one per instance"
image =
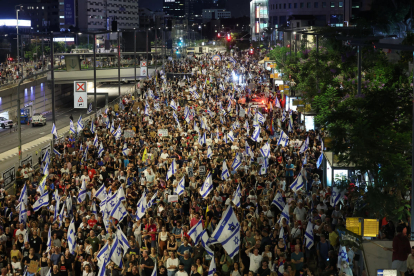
{"type": "Point", "coordinates": [259, 17]}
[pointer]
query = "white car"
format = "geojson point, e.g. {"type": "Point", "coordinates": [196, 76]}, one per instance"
{"type": "Point", "coordinates": [6, 123]}
{"type": "Point", "coordinates": [38, 119]}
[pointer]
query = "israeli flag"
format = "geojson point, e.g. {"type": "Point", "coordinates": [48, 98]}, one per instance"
{"type": "Point", "coordinates": [179, 190]}
{"type": "Point", "coordinates": [122, 239]}
{"type": "Point", "coordinates": [71, 236]}
{"type": "Point", "coordinates": [141, 206]}
{"type": "Point", "coordinates": [231, 136]}
{"type": "Point", "coordinates": [82, 192]}
{"type": "Point", "coordinates": [23, 195]}
{"type": "Point", "coordinates": [224, 171]}
{"type": "Point", "coordinates": [319, 161]}
{"type": "Point", "coordinates": [231, 59]}
{"type": "Point", "coordinates": [93, 209]}
{"type": "Point", "coordinates": [22, 213]}
{"type": "Point", "coordinates": [54, 131]}
{"type": "Point", "coordinates": [209, 153]}
{"type": "Point", "coordinates": [92, 127]}
{"type": "Point", "coordinates": [116, 252]}
{"type": "Point", "coordinates": [228, 232]}
{"type": "Point", "coordinates": [255, 122]}
{"type": "Point", "coordinates": [95, 141]}
{"type": "Point", "coordinates": [56, 211]}
{"type": "Point", "coordinates": [285, 214]}
{"type": "Point", "coordinates": [71, 127]}
{"type": "Point", "coordinates": [207, 186]}
{"type": "Point", "coordinates": [196, 231]}
{"type": "Point", "coordinates": [290, 126]}
{"type": "Point", "coordinates": [263, 168]}
{"type": "Point", "coordinates": [61, 216]}
{"type": "Point", "coordinates": [222, 120]}
{"type": "Point", "coordinates": [256, 134]}
{"type": "Point", "coordinates": [204, 241]}
{"type": "Point", "coordinates": [305, 145]}
{"type": "Point", "coordinates": [265, 150]}
{"type": "Point", "coordinates": [260, 118]}
{"type": "Point", "coordinates": [120, 195]}
{"type": "Point", "coordinates": [42, 201]}
{"type": "Point", "coordinates": [336, 196]}
{"type": "Point", "coordinates": [41, 187]}
{"type": "Point", "coordinates": [298, 183]}
{"type": "Point", "coordinates": [103, 255]}
{"type": "Point", "coordinates": [146, 111]}
{"type": "Point", "coordinates": [229, 107]}
{"type": "Point", "coordinates": [202, 139]}
{"type": "Point", "coordinates": [152, 201]}
{"type": "Point", "coordinates": [119, 212]}
{"type": "Point", "coordinates": [125, 150]}
{"type": "Point", "coordinates": [112, 129]}
{"type": "Point", "coordinates": [100, 150]}
{"type": "Point", "coordinates": [309, 239]}
{"type": "Point", "coordinates": [278, 201]}
{"type": "Point", "coordinates": [108, 124]}
{"type": "Point", "coordinates": [69, 205]}
{"type": "Point", "coordinates": [283, 139]}
{"type": "Point", "coordinates": [283, 116]}
{"type": "Point", "coordinates": [89, 108]}
{"type": "Point", "coordinates": [342, 256]}
{"type": "Point", "coordinates": [225, 138]}
{"type": "Point", "coordinates": [46, 169]}
{"type": "Point", "coordinates": [246, 125]}
{"type": "Point", "coordinates": [176, 118]}
{"type": "Point", "coordinates": [118, 133]}
{"type": "Point", "coordinates": [236, 162]}
{"type": "Point", "coordinates": [173, 105]}
{"type": "Point", "coordinates": [277, 103]}
{"type": "Point", "coordinates": [212, 269]}
{"type": "Point", "coordinates": [172, 169]}
{"type": "Point", "coordinates": [49, 239]}
{"type": "Point", "coordinates": [237, 197]}
{"type": "Point", "coordinates": [80, 124]}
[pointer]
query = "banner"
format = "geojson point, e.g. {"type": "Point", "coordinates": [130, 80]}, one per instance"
{"type": "Point", "coordinates": [27, 160]}
{"type": "Point", "coordinates": [9, 177]}
{"type": "Point", "coordinates": [347, 237]}
{"type": "Point", "coordinates": [69, 10]}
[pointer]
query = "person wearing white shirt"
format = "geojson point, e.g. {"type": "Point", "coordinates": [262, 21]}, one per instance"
{"type": "Point", "coordinates": [300, 212]}
{"type": "Point", "coordinates": [181, 271]}
{"type": "Point", "coordinates": [85, 177]}
{"type": "Point", "coordinates": [255, 259]}
{"type": "Point", "coordinates": [172, 264]}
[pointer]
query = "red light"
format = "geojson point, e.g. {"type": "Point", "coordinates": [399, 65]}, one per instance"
{"type": "Point", "coordinates": [228, 37]}
{"type": "Point", "coordinates": [288, 46]}
{"type": "Point", "coordinates": [262, 102]}
{"type": "Point", "coordinates": [218, 35]}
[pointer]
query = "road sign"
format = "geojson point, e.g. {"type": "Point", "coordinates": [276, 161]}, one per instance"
{"type": "Point", "coordinates": [9, 177]}
{"type": "Point", "coordinates": [72, 63]}
{"type": "Point", "coordinates": [143, 71]}
{"type": "Point", "coordinates": [144, 63]}
{"type": "Point", "coordinates": [27, 160]}
{"type": "Point", "coordinates": [80, 94]}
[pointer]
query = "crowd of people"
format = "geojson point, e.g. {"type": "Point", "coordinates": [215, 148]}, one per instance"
{"type": "Point", "coordinates": [10, 73]}
{"type": "Point", "coordinates": [215, 155]}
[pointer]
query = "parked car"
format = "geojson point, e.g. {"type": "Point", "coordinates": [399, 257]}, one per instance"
{"type": "Point", "coordinates": [6, 123]}
{"type": "Point", "coordinates": [38, 119]}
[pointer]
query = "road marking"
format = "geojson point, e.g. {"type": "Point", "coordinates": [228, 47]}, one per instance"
{"type": "Point", "coordinates": [41, 133]}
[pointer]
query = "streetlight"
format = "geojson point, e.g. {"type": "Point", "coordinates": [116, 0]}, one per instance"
{"type": "Point", "coordinates": [17, 8]}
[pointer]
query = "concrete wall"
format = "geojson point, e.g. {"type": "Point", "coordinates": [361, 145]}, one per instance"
{"type": "Point", "coordinates": [36, 93]}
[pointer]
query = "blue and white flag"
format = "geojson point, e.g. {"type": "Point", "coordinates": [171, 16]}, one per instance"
{"type": "Point", "coordinates": [336, 196]}
{"type": "Point", "coordinates": [309, 238]}
{"type": "Point", "coordinates": [125, 149]}
{"type": "Point", "coordinates": [118, 133]}
{"type": "Point", "coordinates": [283, 139]}
{"type": "Point", "coordinates": [246, 125]}
{"type": "Point", "coordinates": [342, 256]}
{"type": "Point", "coordinates": [207, 186]}
{"type": "Point", "coordinates": [100, 150]}
{"type": "Point", "coordinates": [204, 240]}
{"type": "Point", "coordinates": [305, 145]}
{"type": "Point", "coordinates": [92, 127]}
{"type": "Point", "coordinates": [122, 239]}
{"type": "Point", "coordinates": [154, 271]}
{"type": "Point", "coordinates": [212, 269]}
{"type": "Point", "coordinates": [141, 206]}
{"type": "Point", "coordinates": [42, 201]}
{"type": "Point", "coordinates": [95, 141]}
{"type": "Point", "coordinates": [264, 167]}
{"type": "Point", "coordinates": [284, 214]}
{"type": "Point", "coordinates": [228, 232]}
{"type": "Point", "coordinates": [49, 239]}
{"type": "Point", "coordinates": [260, 118]}
{"type": "Point", "coordinates": [112, 129]}
{"type": "Point", "coordinates": [319, 161]}
{"type": "Point", "coordinates": [146, 111]}
{"type": "Point", "coordinates": [196, 231]}
{"type": "Point", "coordinates": [102, 270]}
{"type": "Point", "coordinates": [23, 195]}
{"type": "Point", "coordinates": [277, 103]}
{"type": "Point", "coordinates": [283, 115]}
{"type": "Point", "coordinates": [224, 171]}
{"type": "Point", "coordinates": [54, 131]}
{"type": "Point", "coordinates": [56, 152]}
{"type": "Point", "coordinates": [42, 185]}
{"type": "Point", "coordinates": [179, 190]}
{"type": "Point", "coordinates": [231, 136]}
{"type": "Point", "coordinates": [89, 108]}
{"type": "Point", "coordinates": [298, 183]}
{"type": "Point", "coordinates": [202, 139]}
{"type": "Point", "coordinates": [82, 192]}
{"type": "Point", "coordinates": [22, 213]}
{"type": "Point", "coordinates": [265, 150]}
{"type": "Point", "coordinates": [93, 209]}
{"type": "Point", "coordinates": [116, 252]}
{"type": "Point", "coordinates": [237, 197]}
{"type": "Point", "coordinates": [71, 127]}
{"type": "Point", "coordinates": [209, 152]}
{"type": "Point", "coordinates": [152, 201]}
{"type": "Point", "coordinates": [256, 134]}
{"type": "Point", "coordinates": [173, 105]}
{"type": "Point", "coordinates": [103, 255]}
{"type": "Point", "coordinates": [231, 59]}
{"type": "Point", "coordinates": [71, 237]}
{"type": "Point", "coordinates": [278, 201]}
{"type": "Point", "coordinates": [120, 195]}
{"type": "Point", "coordinates": [236, 162]}
{"type": "Point", "coordinates": [80, 124]}
{"type": "Point", "coordinates": [172, 169]}
{"type": "Point", "coordinates": [119, 212]}
{"type": "Point", "coordinates": [69, 206]}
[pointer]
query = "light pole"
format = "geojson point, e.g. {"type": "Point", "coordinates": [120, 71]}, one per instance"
{"type": "Point", "coordinates": [17, 8]}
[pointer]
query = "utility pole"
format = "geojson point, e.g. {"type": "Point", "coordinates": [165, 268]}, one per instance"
{"type": "Point", "coordinates": [119, 65]}
{"type": "Point", "coordinates": [146, 45]}
{"type": "Point", "coordinates": [94, 74]}
{"type": "Point", "coordinates": [135, 60]}
{"type": "Point", "coordinates": [52, 75]}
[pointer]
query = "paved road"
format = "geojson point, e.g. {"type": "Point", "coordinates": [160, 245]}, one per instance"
{"type": "Point", "coordinates": [9, 139]}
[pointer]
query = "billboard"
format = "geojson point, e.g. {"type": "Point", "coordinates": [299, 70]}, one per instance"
{"type": "Point", "coordinates": [69, 12]}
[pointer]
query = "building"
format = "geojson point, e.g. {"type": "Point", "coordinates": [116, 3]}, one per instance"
{"type": "Point", "coordinates": [213, 14]}
{"type": "Point", "coordinates": [43, 14]}
{"type": "Point", "coordinates": [301, 13]}
{"type": "Point", "coordinates": [259, 18]}
{"type": "Point", "coordinates": [175, 8]}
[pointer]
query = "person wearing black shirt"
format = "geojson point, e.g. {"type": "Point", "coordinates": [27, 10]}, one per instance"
{"type": "Point", "coordinates": [55, 271]}
{"type": "Point", "coordinates": [30, 257]}
{"type": "Point", "coordinates": [36, 244]}
{"type": "Point", "coordinates": [147, 264]}
{"type": "Point", "coordinates": [132, 271]}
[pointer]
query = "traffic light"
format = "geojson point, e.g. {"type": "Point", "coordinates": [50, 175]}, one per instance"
{"type": "Point", "coordinates": [228, 37]}
{"type": "Point", "coordinates": [251, 51]}
{"type": "Point", "coordinates": [218, 35]}
{"type": "Point", "coordinates": [10, 59]}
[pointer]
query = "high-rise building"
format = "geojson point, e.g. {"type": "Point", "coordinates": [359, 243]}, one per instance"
{"type": "Point", "coordinates": [44, 15]}
{"type": "Point", "coordinates": [175, 8]}
{"type": "Point", "coordinates": [212, 14]}
{"type": "Point", "coordinates": [259, 18]}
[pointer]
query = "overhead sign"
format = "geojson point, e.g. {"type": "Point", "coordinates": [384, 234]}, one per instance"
{"type": "Point", "coordinates": [144, 71]}
{"type": "Point", "coordinates": [163, 132]}
{"type": "Point", "coordinates": [80, 94]}
{"type": "Point", "coordinates": [72, 63]}
{"type": "Point", "coordinates": [9, 176]}
{"type": "Point", "coordinates": [27, 160]}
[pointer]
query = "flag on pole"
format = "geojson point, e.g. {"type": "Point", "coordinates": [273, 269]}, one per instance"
{"type": "Point", "coordinates": [309, 238]}
{"type": "Point", "coordinates": [171, 170]}
{"type": "Point", "coordinates": [54, 131]}
{"type": "Point", "coordinates": [89, 108]}
{"type": "Point", "coordinates": [236, 162]}
{"type": "Point", "coordinates": [80, 124]}
{"type": "Point", "coordinates": [71, 237]}
{"type": "Point", "coordinates": [22, 213]}
{"type": "Point", "coordinates": [42, 201]}
{"type": "Point", "coordinates": [319, 161]}
{"type": "Point", "coordinates": [82, 192]}
{"type": "Point", "coordinates": [179, 190]}
{"type": "Point", "coordinates": [265, 150]}
{"type": "Point", "coordinates": [209, 152]}
{"type": "Point", "coordinates": [298, 183]}
{"type": "Point", "coordinates": [207, 186]}
{"type": "Point", "coordinates": [227, 232]}
{"type": "Point", "coordinates": [256, 134]}
{"type": "Point", "coordinates": [283, 139]}
{"type": "Point", "coordinates": [237, 197]}
{"type": "Point", "coordinates": [278, 201]}
{"type": "Point", "coordinates": [224, 171]}
{"type": "Point", "coordinates": [100, 150]}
